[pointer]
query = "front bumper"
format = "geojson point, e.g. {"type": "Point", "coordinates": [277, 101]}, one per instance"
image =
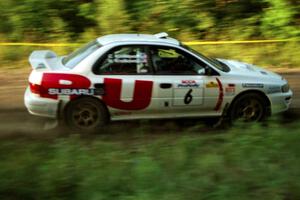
{"type": "Point", "coordinates": [40, 106]}
{"type": "Point", "coordinates": [280, 102]}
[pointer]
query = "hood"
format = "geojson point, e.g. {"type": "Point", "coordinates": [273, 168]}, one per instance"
{"type": "Point", "coordinates": [45, 59]}
{"type": "Point", "coordinates": [241, 68]}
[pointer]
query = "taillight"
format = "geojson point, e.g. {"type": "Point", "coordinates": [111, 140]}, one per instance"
{"type": "Point", "coordinates": [36, 89]}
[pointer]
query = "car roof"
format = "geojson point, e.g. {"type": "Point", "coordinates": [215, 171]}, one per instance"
{"type": "Point", "coordinates": [160, 37]}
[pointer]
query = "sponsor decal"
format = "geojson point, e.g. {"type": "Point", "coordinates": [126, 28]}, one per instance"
{"type": "Point", "coordinates": [124, 58]}
{"type": "Point", "coordinates": [230, 90]}
{"type": "Point", "coordinates": [188, 84]}
{"type": "Point", "coordinates": [56, 91]}
{"type": "Point", "coordinates": [53, 81]}
{"type": "Point", "coordinates": [221, 95]}
{"type": "Point", "coordinates": [212, 84]}
{"type": "Point", "coordinates": [141, 96]}
{"type": "Point", "coordinates": [78, 85]}
{"type": "Point", "coordinates": [253, 85]}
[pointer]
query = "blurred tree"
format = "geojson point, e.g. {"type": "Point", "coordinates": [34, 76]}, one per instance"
{"type": "Point", "coordinates": [173, 16]}
{"type": "Point", "coordinates": [30, 18]}
{"type": "Point", "coordinates": [77, 15]}
{"type": "Point", "coordinates": [36, 20]}
{"type": "Point", "coordinates": [40, 20]}
{"type": "Point", "coordinates": [141, 15]}
{"type": "Point", "coordinates": [278, 20]}
{"type": "Point", "coordinates": [5, 23]}
{"type": "Point", "coordinates": [237, 18]}
{"type": "Point", "coordinates": [112, 17]}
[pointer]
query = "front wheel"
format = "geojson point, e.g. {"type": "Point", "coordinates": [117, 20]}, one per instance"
{"type": "Point", "coordinates": [249, 107]}
{"type": "Point", "coordinates": [86, 115]}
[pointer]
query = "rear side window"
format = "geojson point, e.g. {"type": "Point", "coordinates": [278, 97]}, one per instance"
{"type": "Point", "coordinates": [74, 58]}
{"type": "Point", "coordinates": [124, 60]}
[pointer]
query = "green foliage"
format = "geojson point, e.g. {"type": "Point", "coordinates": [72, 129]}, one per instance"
{"type": "Point", "coordinates": [35, 20]}
{"type": "Point", "coordinates": [81, 21]}
{"type": "Point", "coordinates": [279, 20]}
{"type": "Point", "coordinates": [112, 17]}
{"type": "Point", "coordinates": [243, 163]}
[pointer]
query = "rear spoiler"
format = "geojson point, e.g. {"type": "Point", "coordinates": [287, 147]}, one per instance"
{"type": "Point", "coordinates": [42, 59]}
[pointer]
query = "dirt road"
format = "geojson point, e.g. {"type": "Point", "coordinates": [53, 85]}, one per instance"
{"type": "Point", "coordinates": [14, 117]}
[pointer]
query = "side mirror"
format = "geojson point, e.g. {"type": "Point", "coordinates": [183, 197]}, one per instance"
{"type": "Point", "coordinates": [205, 71]}
{"type": "Point", "coordinates": [202, 71]}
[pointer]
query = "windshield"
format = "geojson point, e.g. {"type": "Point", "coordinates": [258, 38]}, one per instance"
{"type": "Point", "coordinates": [78, 55]}
{"type": "Point", "coordinates": [216, 63]}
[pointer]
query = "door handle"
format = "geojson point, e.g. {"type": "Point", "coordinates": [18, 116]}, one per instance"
{"type": "Point", "coordinates": [99, 85]}
{"type": "Point", "coordinates": [165, 85]}
{"type": "Point", "coordinates": [99, 89]}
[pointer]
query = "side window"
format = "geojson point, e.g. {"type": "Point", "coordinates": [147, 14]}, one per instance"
{"type": "Point", "coordinates": [168, 60]}
{"type": "Point", "coordinates": [124, 60]}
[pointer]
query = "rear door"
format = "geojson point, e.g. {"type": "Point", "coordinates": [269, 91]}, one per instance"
{"type": "Point", "coordinates": [125, 75]}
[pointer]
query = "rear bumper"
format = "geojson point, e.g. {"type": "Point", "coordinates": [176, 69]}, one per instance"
{"type": "Point", "coordinates": [280, 102]}
{"type": "Point", "coordinates": [40, 106]}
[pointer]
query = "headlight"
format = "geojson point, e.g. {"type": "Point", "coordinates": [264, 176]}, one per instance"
{"type": "Point", "coordinates": [285, 88]}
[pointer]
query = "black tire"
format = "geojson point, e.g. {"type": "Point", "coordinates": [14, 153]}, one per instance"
{"type": "Point", "coordinates": [86, 115]}
{"type": "Point", "coordinates": [250, 107]}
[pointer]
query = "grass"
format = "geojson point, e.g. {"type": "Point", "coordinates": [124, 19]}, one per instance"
{"type": "Point", "coordinates": [257, 162]}
{"type": "Point", "coordinates": [269, 55]}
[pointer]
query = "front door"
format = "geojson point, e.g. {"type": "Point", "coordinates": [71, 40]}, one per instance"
{"type": "Point", "coordinates": [178, 80]}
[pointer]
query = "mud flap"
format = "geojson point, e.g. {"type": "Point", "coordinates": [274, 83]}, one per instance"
{"type": "Point", "coordinates": [224, 119]}
{"type": "Point", "coordinates": [53, 123]}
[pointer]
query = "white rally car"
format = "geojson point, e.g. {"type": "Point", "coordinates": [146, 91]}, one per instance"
{"type": "Point", "coordinates": [139, 76]}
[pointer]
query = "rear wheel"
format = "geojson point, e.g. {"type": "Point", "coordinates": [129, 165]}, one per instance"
{"type": "Point", "coordinates": [249, 107]}
{"type": "Point", "coordinates": [86, 115]}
